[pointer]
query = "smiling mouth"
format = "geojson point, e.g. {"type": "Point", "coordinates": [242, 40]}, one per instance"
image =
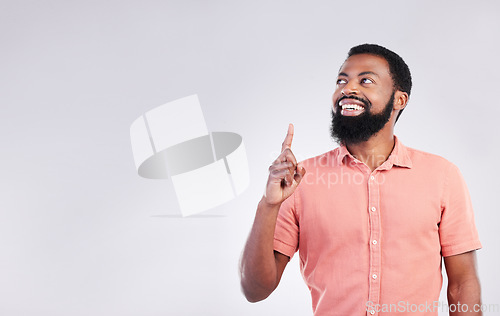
{"type": "Point", "coordinates": [351, 109]}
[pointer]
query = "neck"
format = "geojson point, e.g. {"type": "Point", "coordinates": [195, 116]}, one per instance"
{"type": "Point", "coordinates": [375, 150]}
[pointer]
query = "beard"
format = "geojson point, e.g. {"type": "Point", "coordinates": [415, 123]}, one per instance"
{"type": "Point", "coordinates": [357, 129]}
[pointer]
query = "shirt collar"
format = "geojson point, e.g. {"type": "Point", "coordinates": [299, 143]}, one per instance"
{"type": "Point", "coordinates": [398, 157]}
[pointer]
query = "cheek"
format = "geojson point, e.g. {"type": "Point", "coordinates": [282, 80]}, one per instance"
{"type": "Point", "coordinates": [335, 96]}
{"type": "Point", "coordinates": [379, 99]}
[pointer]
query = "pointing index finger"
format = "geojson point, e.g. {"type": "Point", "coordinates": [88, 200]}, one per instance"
{"type": "Point", "coordinates": [287, 143]}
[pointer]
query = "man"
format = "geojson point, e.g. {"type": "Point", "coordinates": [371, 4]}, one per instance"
{"type": "Point", "coordinates": [372, 219]}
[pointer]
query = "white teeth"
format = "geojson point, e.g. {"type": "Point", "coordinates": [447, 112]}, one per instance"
{"type": "Point", "coordinates": [351, 107]}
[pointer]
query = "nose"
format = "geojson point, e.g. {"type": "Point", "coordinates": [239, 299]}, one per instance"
{"type": "Point", "coordinates": [350, 88]}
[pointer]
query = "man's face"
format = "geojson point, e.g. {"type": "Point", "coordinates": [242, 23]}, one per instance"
{"type": "Point", "coordinates": [363, 99]}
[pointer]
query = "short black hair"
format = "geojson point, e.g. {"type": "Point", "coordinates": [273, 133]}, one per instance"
{"type": "Point", "coordinates": [399, 70]}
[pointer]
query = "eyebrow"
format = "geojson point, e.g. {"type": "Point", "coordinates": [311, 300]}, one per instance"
{"type": "Point", "coordinates": [360, 74]}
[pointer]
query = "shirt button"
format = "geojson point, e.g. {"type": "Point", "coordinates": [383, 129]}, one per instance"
{"type": "Point", "coordinates": [374, 276]}
{"type": "Point", "coordinates": [374, 242]}
{"type": "Point", "coordinates": [372, 312]}
{"type": "Point", "coordinates": [373, 209]}
{"type": "Point", "coordinates": [372, 178]}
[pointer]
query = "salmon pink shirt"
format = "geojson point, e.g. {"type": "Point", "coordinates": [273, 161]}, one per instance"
{"type": "Point", "coordinates": [371, 242]}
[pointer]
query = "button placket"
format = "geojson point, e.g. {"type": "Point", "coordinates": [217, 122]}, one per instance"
{"type": "Point", "coordinates": [375, 251]}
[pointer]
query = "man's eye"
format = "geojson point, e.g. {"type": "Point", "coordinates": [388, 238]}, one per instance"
{"type": "Point", "coordinates": [341, 81]}
{"type": "Point", "coordinates": [366, 80]}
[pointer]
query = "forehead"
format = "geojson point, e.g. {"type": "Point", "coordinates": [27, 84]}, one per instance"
{"type": "Point", "coordinates": [363, 63]}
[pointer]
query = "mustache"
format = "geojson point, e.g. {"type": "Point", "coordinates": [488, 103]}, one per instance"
{"type": "Point", "coordinates": [365, 102]}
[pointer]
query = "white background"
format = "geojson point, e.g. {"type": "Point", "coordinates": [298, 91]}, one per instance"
{"type": "Point", "coordinates": [82, 234]}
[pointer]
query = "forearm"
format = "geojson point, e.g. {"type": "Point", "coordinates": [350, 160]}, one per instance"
{"type": "Point", "coordinates": [258, 270]}
{"type": "Point", "coordinates": [465, 298]}
{"type": "Point", "coordinates": [260, 267]}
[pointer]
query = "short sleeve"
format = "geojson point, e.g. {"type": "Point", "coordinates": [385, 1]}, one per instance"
{"type": "Point", "coordinates": [457, 229]}
{"type": "Point", "coordinates": [286, 234]}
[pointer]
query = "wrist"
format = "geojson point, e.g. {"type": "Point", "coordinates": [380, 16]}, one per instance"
{"type": "Point", "coordinates": [264, 203]}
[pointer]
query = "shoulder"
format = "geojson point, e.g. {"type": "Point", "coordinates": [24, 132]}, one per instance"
{"type": "Point", "coordinates": [426, 159]}
{"type": "Point", "coordinates": [432, 167]}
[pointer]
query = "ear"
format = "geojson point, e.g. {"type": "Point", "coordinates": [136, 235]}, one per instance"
{"type": "Point", "coordinates": [400, 100]}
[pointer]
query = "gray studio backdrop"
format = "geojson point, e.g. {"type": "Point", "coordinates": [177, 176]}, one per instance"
{"type": "Point", "coordinates": [82, 234]}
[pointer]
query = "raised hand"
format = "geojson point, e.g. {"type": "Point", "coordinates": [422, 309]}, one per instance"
{"type": "Point", "coordinates": [284, 174]}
